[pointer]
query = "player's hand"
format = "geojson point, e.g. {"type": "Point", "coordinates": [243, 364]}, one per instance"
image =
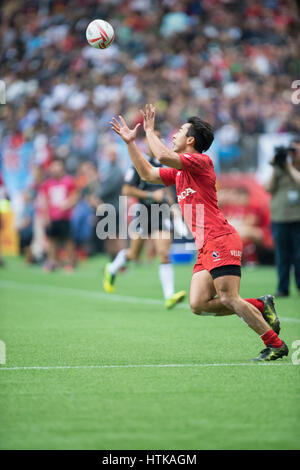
{"type": "Point", "coordinates": [158, 195]}
{"type": "Point", "coordinates": [149, 117]}
{"type": "Point", "coordinates": [121, 128]}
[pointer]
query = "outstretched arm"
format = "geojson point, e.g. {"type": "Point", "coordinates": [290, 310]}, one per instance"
{"type": "Point", "coordinates": [146, 171]}
{"type": "Point", "coordinates": [158, 195]}
{"type": "Point", "coordinates": [160, 151]}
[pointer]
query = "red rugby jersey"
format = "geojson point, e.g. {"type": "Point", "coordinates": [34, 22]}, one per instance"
{"type": "Point", "coordinates": [57, 192]}
{"type": "Point", "coordinates": [197, 196]}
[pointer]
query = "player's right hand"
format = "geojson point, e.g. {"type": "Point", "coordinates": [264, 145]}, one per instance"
{"type": "Point", "coordinates": [121, 128]}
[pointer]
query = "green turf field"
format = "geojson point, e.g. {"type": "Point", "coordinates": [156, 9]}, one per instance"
{"type": "Point", "coordinates": [86, 370]}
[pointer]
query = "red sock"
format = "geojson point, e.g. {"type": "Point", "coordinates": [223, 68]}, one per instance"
{"type": "Point", "coordinates": [271, 338]}
{"type": "Point", "coordinates": [257, 303]}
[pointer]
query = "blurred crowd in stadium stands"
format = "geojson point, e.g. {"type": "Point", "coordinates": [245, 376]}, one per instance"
{"type": "Point", "coordinates": [230, 62]}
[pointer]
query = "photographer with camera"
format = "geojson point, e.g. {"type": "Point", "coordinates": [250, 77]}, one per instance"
{"type": "Point", "coordinates": [284, 186]}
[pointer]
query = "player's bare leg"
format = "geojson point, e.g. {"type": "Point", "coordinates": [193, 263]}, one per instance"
{"type": "Point", "coordinates": [202, 296]}
{"type": "Point", "coordinates": [71, 255]}
{"type": "Point", "coordinates": [227, 288]}
{"type": "Point", "coordinates": [135, 248]}
{"type": "Point", "coordinates": [150, 250]}
{"type": "Point", "coordinates": [203, 301]}
{"type": "Point", "coordinates": [162, 242]}
{"type": "Point", "coordinates": [113, 246]}
{"type": "Point", "coordinates": [52, 261]}
{"type": "Point", "coordinates": [228, 302]}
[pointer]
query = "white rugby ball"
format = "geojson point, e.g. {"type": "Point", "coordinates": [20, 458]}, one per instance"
{"type": "Point", "coordinates": [100, 34]}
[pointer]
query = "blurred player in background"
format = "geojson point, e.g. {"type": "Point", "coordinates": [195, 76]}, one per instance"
{"type": "Point", "coordinates": [147, 194]}
{"type": "Point", "coordinates": [218, 267]}
{"type": "Point", "coordinates": [60, 197]}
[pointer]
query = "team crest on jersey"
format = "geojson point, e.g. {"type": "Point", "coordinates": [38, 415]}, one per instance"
{"type": "Point", "coordinates": [185, 193]}
{"type": "Point", "coordinates": [216, 255]}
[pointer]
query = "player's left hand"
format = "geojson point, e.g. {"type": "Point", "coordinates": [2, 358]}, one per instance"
{"type": "Point", "coordinates": [149, 117]}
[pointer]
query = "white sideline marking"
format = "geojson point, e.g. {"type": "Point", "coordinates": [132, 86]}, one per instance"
{"type": "Point", "coordinates": [127, 366]}
{"type": "Point", "coordinates": [86, 293]}
{"type": "Point", "coordinates": [103, 296]}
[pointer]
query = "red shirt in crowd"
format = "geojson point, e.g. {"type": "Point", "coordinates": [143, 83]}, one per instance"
{"type": "Point", "coordinates": [57, 192]}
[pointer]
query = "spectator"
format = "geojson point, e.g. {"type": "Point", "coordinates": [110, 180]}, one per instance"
{"type": "Point", "coordinates": [232, 61]}
{"type": "Point", "coordinates": [284, 186]}
{"type": "Point", "coordinates": [83, 217]}
{"type": "Point", "coordinates": [110, 190]}
{"type": "Point", "coordinates": [25, 226]}
{"type": "Point", "coordinates": [60, 196]}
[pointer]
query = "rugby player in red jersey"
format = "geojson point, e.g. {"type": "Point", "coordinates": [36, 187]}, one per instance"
{"type": "Point", "coordinates": [217, 271]}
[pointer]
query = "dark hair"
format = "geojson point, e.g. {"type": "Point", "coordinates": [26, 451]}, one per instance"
{"type": "Point", "coordinates": [202, 133]}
